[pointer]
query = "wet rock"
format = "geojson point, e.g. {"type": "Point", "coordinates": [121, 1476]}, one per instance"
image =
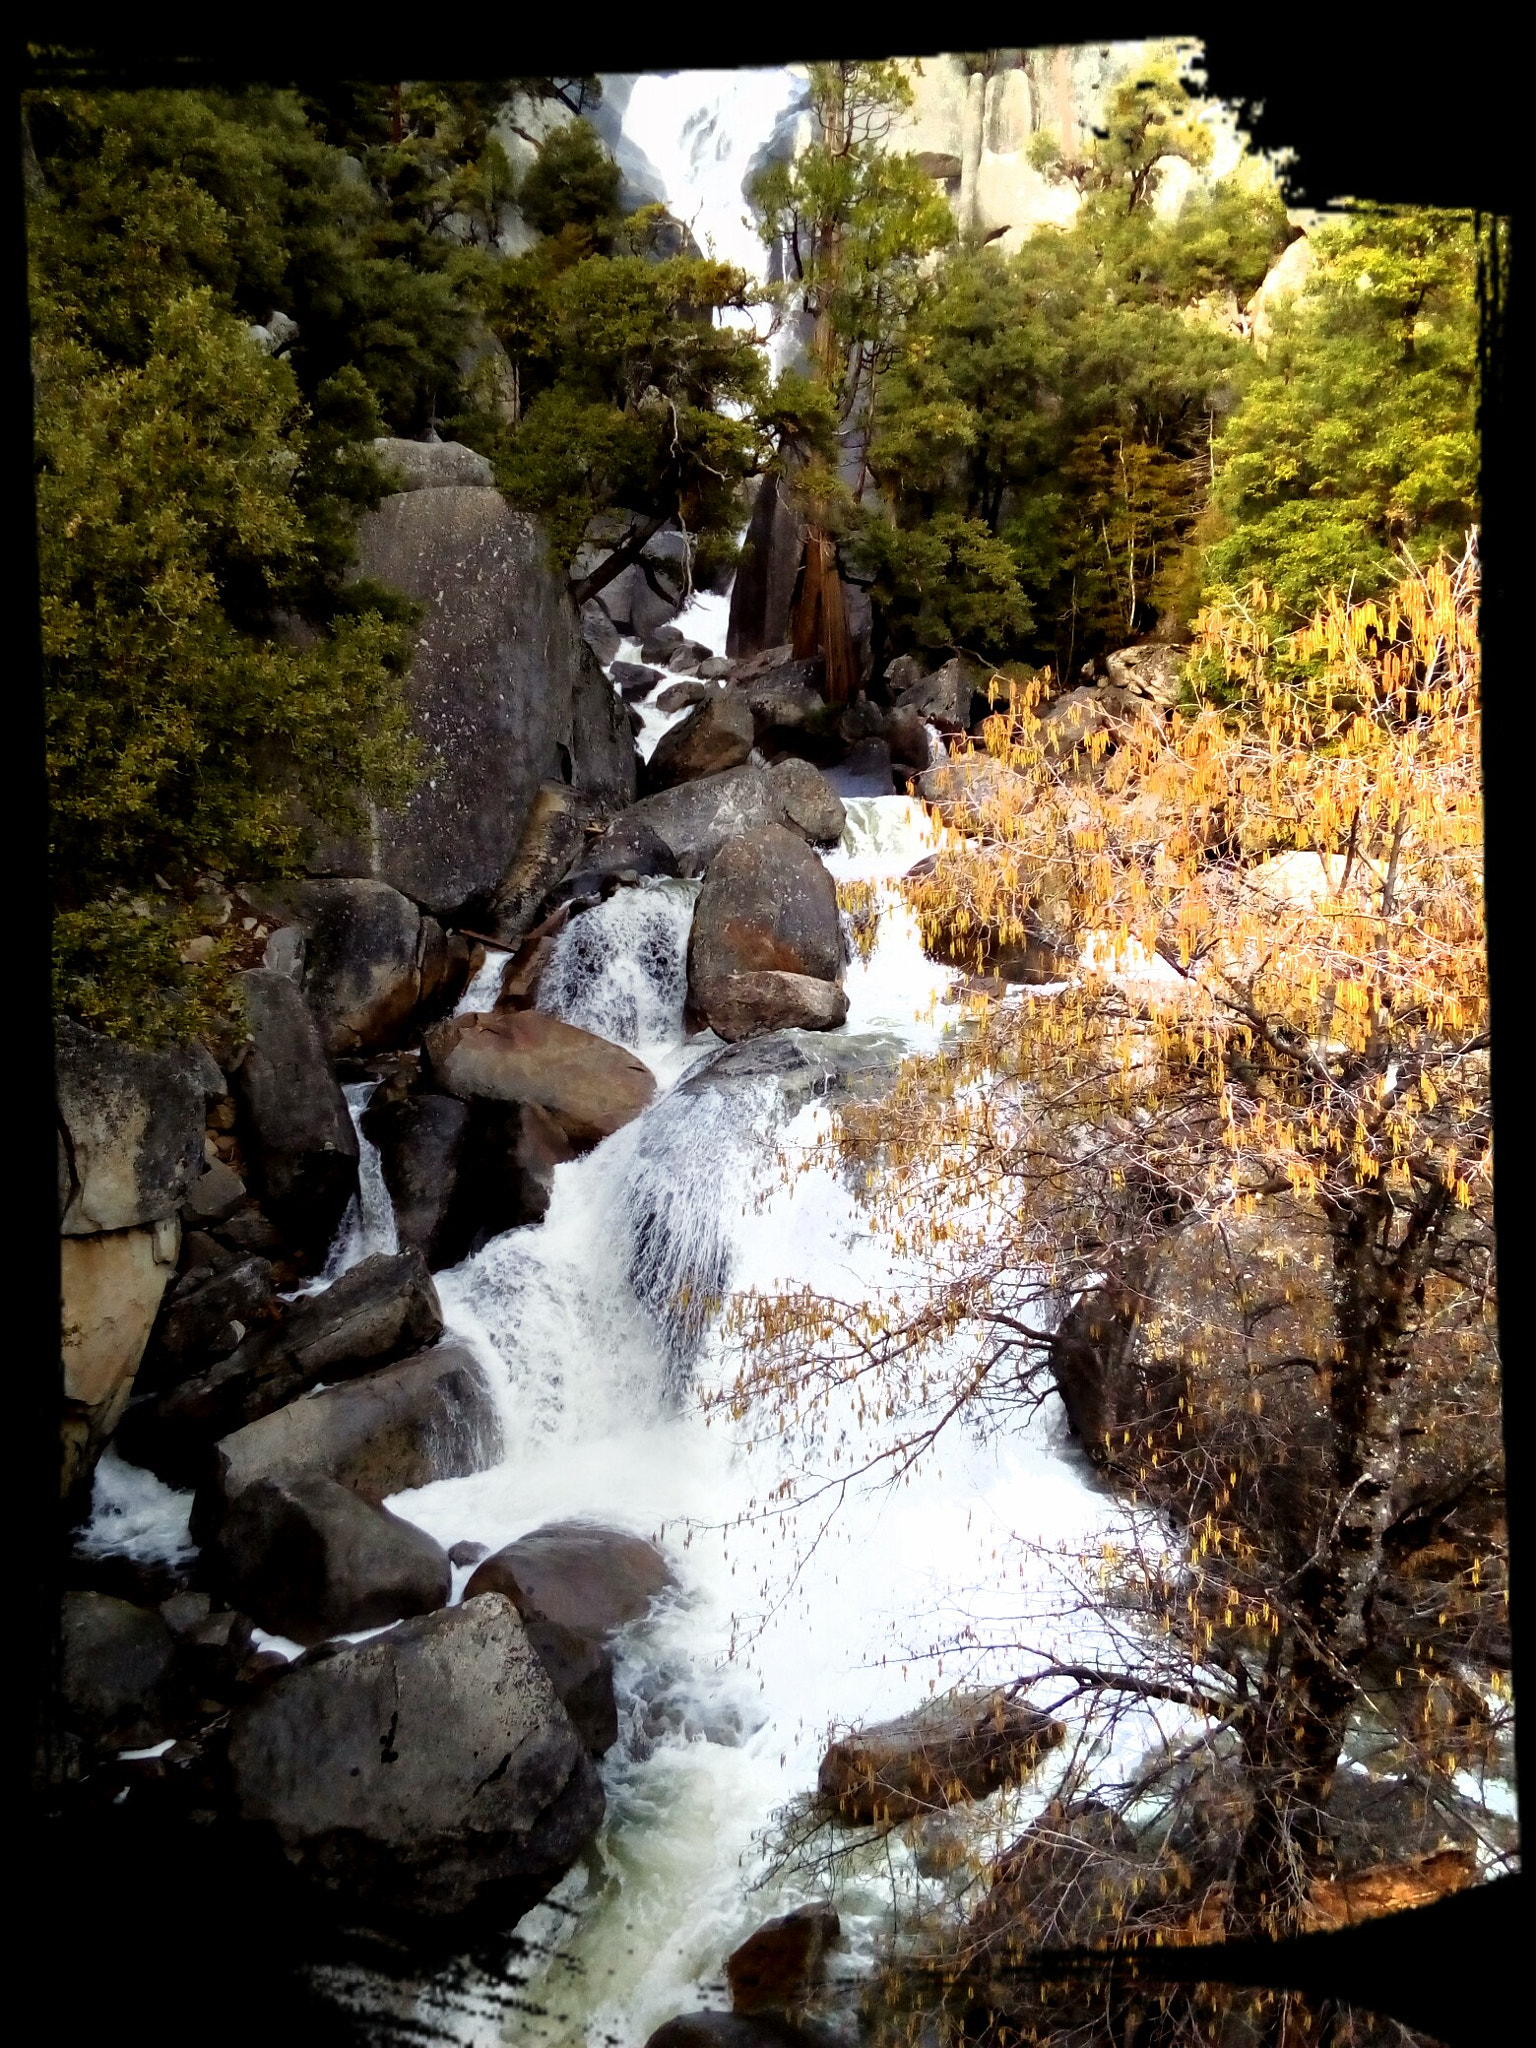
{"type": "Point", "coordinates": [372, 962]}
{"type": "Point", "coordinates": [384, 1308]}
{"type": "Point", "coordinates": [906, 735]}
{"type": "Point", "coordinates": [429, 1417]}
{"type": "Point", "coordinates": [695, 819]}
{"type": "Point", "coordinates": [767, 904]}
{"type": "Point", "coordinates": [423, 1141]}
{"type": "Point", "coordinates": [423, 1774]}
{"type": "Point", "coordinates": [604, 766]}
{"type": "Point", "coordinates": [948, 697]}
{"type": "Point", "coordinates": [599, 631]}
{"type": "Point", "coordinates": [111, 1286]}
{"type": "Point", "coordinates": [309, 1558]}
{"type": "Point", "coordinates": [738, 1006]}
{"type": "Point", "coordinates": [589, 1087]}
{"type": "Point", "coordinates": [130, 1130]}
{"type": "Point", "coordinates": [467, 1551]}
{"type": "Point", "coordinates": [116, 1661]}
{"type": "Point", "coordinates": [686, 657]}
{"type": "Point", "coordinates": [780, 1965]}
{"type": "Point", "coordinates": [865, 771]}
{"type": "Point", "coordinates": [657, 645]}
{"type": "Point", "coordinates": [785, 700]}
{"type": "Point", "coordinates": [958, 1749]}
{"type": "Point", "coordinates": [581, 1672]}
{"type": "Point", "coordinates": [298, 1135]}
{"type": "Point", "coordinates": [630, 852]}
{"type": "Point", "coordinates": [580, 1575]}
{"type": "Point", "coordinates": [801, 1068]}
{"type": "Point", "coordinates": [676, 696]}
{"type": "Point", "coordinates": [634, 679]}
{"type": "Point", "coordinates": [430, 465]}
{"type": "Point", "coordinates": [552, 842]}
{"type": "Point", "coordinates": [715, 736]}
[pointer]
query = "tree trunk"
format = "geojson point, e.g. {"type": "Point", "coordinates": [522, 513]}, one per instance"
{"type": "Point", "coordinates": [628, 550]}
{"type": "Point", "coordinates": [820, 623]}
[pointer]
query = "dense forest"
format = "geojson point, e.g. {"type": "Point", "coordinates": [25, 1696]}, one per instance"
{"type": "Point", "coordinates": [1142, 559]}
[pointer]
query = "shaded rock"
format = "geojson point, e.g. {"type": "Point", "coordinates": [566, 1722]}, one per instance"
{"type": "Point", "coordinates": [249, 1231]}
{"type": "Point", "coordinates": [589, 1087]}
{"type": "Point", "coordinates": [695, 819]}
{"type": "Point", "coordinates": [780, 1964]}
{"type": "Point", "coordinates": [111, 1287]}
{"type": "Point", "coordinates": [801, 1068]}
{"type": "Point", "coordinates": [423, 1140]}
{"type": "Point", "coordinates": [768, 905]}
{"type": "Point", "coordinates": [716, 735]}
{"type": "Point", "coordinates": [808, 804]}
{"type": "Point", "coordinates": [430, 465]}
{"type": "Point", "coordinates": [587, 1578]}
{"type": "Point", "coordinates": [372, 962]}
{"type": "Point", "coordinates": [115, 1664]}
{"type": "Point", "coordinates": [866, 771]}
{"type": "Point", "coordinates": [947, 697]}
{"type": "Point", "coordinates": [298, 1135]}
{"type": "Point", "coordinates": [676, 695]}
{"type": "Point", "coordinates": [494, 678]}
{"type": "Point", "coordinates": [604, 767]}
{"type": "Point", "coordinates": [308, 1558]}
{"type": "Point", "coordinates": [764, 587]}
{"type": "Point", "coordinates": [422, 1774]}
{"type": "Point", "coordinates": [599, 631]}
{"type": "Point", "coordinates": [736, 2030]}
{"type": "Point", "coordinates": [1152, 671]}
{"type": "Point", "coordinates": [130, 1129]}
{"type": "Point", "coordinates": [904, 673]}
{"type": "Point", "coordinates": [208, 1318]}
{"type": "Point", "coordinates": [384, 1308]}
{"type": "Point", "coordinates": [714, 668]}
{"type": "Point", "coordinates": [785, 699]}
{"type": "Point", "coordinates": [634, 679]}
{"type": "Point", "coordinates": [1070, 721]}
{"type": "Point", "coordinates": [686, 657]}
{"type": "Point", "coordinates": [552, 841]}
{"type": "Point", "coordinates": [738, 1006]}
{"type": "Point", "coordinates": [581, 1672]}
{"type": "Point", "coordinates": [467, 1551]}
{"type": "Point", "coordinates": [214, 1195]}
{"type": "Point", "coordinates": [429, 1417]}
{"type": "Point", "coordinates": [521, 976]}
{"type": "Point", "coordinates": [958, 1749]}
{"type": "Point", "coordinates": [628, 849]}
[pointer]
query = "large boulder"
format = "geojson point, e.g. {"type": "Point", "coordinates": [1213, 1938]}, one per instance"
{"type": "Point", "coordinates": [948, 697]}
{"type": "Point", "coordinates": [422, 1774]}
{"type": "Point", "coordinates": [800, 1069]}
{"type": "Point", "coordinates": [604, 765]}
{"type": "Point", "coordinates": [498, 666]}
{"type": "Point", "coordinates": [785, 700]}
{"type": "Point", "coordinates": [716, 735]}
{"type": "Point", "coordinates": [1153, 671]}
{"type": "Point", "coordinates": [965, 787]}
{"type": "Point", "coordinates": [372, 963]}
{"type": "Point", "coordinates": [764, 587]}
{"type": "Point", "coordinates": [739, 1006]}
{"type": "Point", "coordinates": [297, 1132]}
{"type": "Point", "coordinates": [430, 465]}
{"type": "Point", "coordinates": [589, 1086]}
{"type": "Point", "coordinates": [309, 1558]}
{"type": "Point", "coordinates": [695, 819]}
{"type": "Point", "coordinates": [110, 1286]}
{"type": "Point", "coordinates": [584, 1577]}
{"type": "Point", "coordinates": [206, 1316]}
{"type": "Point", "coordinates": [384, 1308]}
{"type": "Point", "coordinates": [768, 903]}
{"type": "Point", "coordinates": [429, 1417]}
{"type": "Point", "coordinates": [130, 1129]}
{"type": "Point", "coordinates": [943, 1755]}
{"type": "Point", "coordinates": [114, 1672]}
{"type": "Point", "coordinates": [779, 1965]}
{"type": "Point", "coordinates": [460, 1172]}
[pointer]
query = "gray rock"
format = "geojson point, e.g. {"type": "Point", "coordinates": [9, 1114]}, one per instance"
{"type": "Point", "coordinates": [585, 1577]}
{"type": "Point", "coordinates": [629, 847]}
{"type": "Point", "coordinates": [599, 631]}
{"type": "Point", "coordinates": [429, 1417]}
{"type": "Point", "coordinates": [808, 804]}
{"type": "Point", "coordinates": [581, 1672]}
{"type": "Point", "coordinates": [431, 465]}
{"type": "Point", "coordinates": [1153, 671]}
{"type": "Point", "coordinates": [715, 736]}
{"type": "Point", "coordinates": [801, 1068]}
{"type": "Point", "coordinates": [590, 1087]}
{"type": "Point", "coordinates": [372, 962]}
{"type": "Point", "coordinates": [962, 788]}
{"type": "Point", "coordinates": [714, 669]}
{"type": "Point", "coordinates": [308, 1558]}
{"type": "Point", "coordinates": [384, 1308]}
{"type": "Point", "coordinates": [903, 673]}
{"type": "Point", "coordinates": [298, 1133]}
{"type": "Point", "coordinates": [214, 1195]}
{"type": "Point", "coordinates": [906, 734]}
{"type": "Point", "coordinates": [285, 952]}
{"type": "Point", "coordinates": [208, 1319]}
{"type": "Point", "coordinates": [634, 679]}
{"type": "Point", "coordinates": [767, 905]}
{"type": "Point", "coordinates": [765, 576]}
{"type": "Point", "coordinates": [116, 1660]}
{"type": "Point", "coordinates": [130, 1131]}
{"type": "Point", "coordinates": [1070, 720]}
{"type": "Point", "coordinates": [676, 696]}
{"type": "Point", "coordinates": [493, 680]}
{"type": "Point", "coordinates": [602, 746]}
{"type": "Point", "coordinates": [947, 698]}
{"type": "Point", "coordinates": [738, 1006]}
{"type": "Point", "coordinates": [785, 700]}
{"type": "Point", "coordinates": [657, 645]}
{"type": "Point", "coordinates": [460, 1173]}
{"type": "Point", "coordinates": [866, 771]}
{"type": "Point", "coordinates": [110, 1289]}
{"type": "Point", "coordinates": [422, 1774]}
{"type": "Point", "coordinates": [686, 656]}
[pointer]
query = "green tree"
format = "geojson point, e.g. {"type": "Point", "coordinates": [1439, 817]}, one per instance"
{"type": "Point", "coordinates": [857, 221]}
{"type": "Point", "coordinates": [1357, 433]}
{"type": "Point", "coordinates": [574, 183]}
{"type": "Point", "coordinates": [1148, 124]}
